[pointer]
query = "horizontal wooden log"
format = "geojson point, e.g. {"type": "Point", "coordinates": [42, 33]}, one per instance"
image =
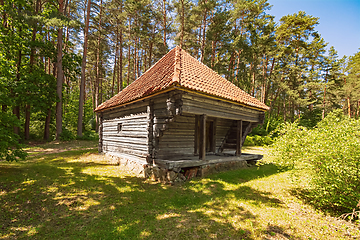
{"type": "Point", "coordinates": [133, 122]}
{"type": "Point", "coordinates": [127, 134]}
{"type": "Point", "coordinates": [141, 141]}
{"type": "Point", "coordinates": [128, 107]}
{"type": "Point", "coordinates": [218, 103]}
{"type": "Point", "coordinates": [207, 106]}
{"type": "Point", "coordinates": [126, 113]}
{"type": "Point", "coordinates": [174, 132]}
{"type": "Point", "coordinates": [172, 138]}
{"type": "Point", "coordinates": [136, 148]}
{"type": "Point", "coordinates": [126, 116]}
{"type": "Point", "coordinates": [163, 145]}
{"type": "Point", "coordinates": [217, 113]}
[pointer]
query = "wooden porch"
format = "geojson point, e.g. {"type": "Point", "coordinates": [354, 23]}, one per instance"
{"type": "Point", "coordinates": [211, 159]}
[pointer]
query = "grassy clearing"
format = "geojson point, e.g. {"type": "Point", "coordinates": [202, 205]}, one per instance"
{"type": "Point", "coordinates": [75, 194]}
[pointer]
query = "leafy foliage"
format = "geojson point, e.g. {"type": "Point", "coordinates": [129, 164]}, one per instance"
{"type": "Point", "coordinates": [10, 149]}
{"type": "Point", "coordinates": [327, 157]}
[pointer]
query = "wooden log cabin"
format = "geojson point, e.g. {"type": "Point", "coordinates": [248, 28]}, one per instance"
{"type": "Point", "coordinates": [179, 113]}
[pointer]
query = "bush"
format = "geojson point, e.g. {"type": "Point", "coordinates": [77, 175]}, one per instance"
{"type": "Point", "coordinates": [10, 149]}
{"type": "Point", "coordinates": [89, 135]}
{"type": "Point", "coordinates": [258, 140]}
{"type": "Point", "coordinates": [67, 135]}
{"type": "Point", "coordinates": [327, 157]}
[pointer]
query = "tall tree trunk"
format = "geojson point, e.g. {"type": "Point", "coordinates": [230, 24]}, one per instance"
{"type": "Point", "coordinates": [83, 68]}
{"type": "Point", "coordinates": [47, 125]}
{"type": "Point", "coordinates": [120, 80]}
{"type": "Point", "coordinates": [16, 112]}
{"type": "Point", "coordinates": [115, 63]}
{"type": "Point", "coordinates": [182, 23]}
{"type": "Point", "coordinates": [129, 55]}
{"type": "Point", "coordinates": [32, 63]}
{"type": "Point", "coordinates": [27, 122]}
{"type": "Point", "coordinates": [150, 53]}
{"type": "Point", "coordinates": [164, 20]}
{"type": "Point", "coordinates": [97, 80]}
{"type": "Point", "coordinates": [135, 58]}
{"type": "Point", "coordinates": [60, 76]}
{"type": "Point", "coordinates": [203, 37]}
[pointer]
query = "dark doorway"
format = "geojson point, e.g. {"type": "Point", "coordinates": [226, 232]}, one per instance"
{"type": "Point", "coordinates": [210, 135]}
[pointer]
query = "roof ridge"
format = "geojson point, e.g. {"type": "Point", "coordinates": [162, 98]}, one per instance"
{"type": "Point", "coordinates": [177, 65]}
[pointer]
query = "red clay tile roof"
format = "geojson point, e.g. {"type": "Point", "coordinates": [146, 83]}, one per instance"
{"type": "Point", "coordinates": [178, 67]}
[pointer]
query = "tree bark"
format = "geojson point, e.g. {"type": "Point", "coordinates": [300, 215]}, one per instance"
{"type": "Point", "coordinates": [47, 125]}
{"type": "Point", "coordinates": [203, 37]}
{"type": "Point", "coordinates": [164, 19]}
{"type": "Point", "coordinates": [60, 76]}
{"type": "Point", "coordinates": [83, 68]}
{"type": "Point", "coordinates": [182, 23]}
{"type": "Point", "coordinates": [27, 122]}
{"type": "Point", "coordinates": [115, 63]}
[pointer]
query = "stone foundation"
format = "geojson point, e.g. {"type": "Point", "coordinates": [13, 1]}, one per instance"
{"type": "Point", "coordinates": [172, 176]}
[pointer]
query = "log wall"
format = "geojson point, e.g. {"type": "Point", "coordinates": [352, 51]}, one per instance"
{"type": "Point", "coordinates": [126, 131]}
{"type": "Point", "coordinates": [222, 128]}
{"type": "Point", "coordinates": [177, 140]}
{"type": "Point", "coordinates": [194, 104]}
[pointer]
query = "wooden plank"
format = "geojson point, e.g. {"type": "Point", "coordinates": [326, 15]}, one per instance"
{"type": "Point", "coordinates": [195, 98]}
{"type": "Point", "coordinates": [142, 141]}
{"type": "Point", "coordinates": [100, 147]}
{"type": "Point", "coordinates": [246, 132]}
{"type": "Point", "coordinates": [151, 137]}
{"type": "Point", "coordinates": [126, 134]}
{"type": "Point", "coordinates": [110, 148]}
{"type": "Point", "coordinates": [196, 142]}
{"type": "Point", "coordinates": [222, 109]}
{"type": "Point", "coordinates": [142, 147]}
{"type": "Point", "coordinates": [139, 122]}
{"type": "Point", "coordinates": [238, 137]}
{"type": "Point", "coordinates": [216, 113]}
{"type": "Point", "coordinates": [202, 143]}
{"type": "Point", "coordinates": [165, 145]}
{"type": "Point", "coordinates": [182, 138]}
{"type": "Point", "coordinates": [213, 145]}
{"type": "Point", "coordinates": [124, 113]}
{"type": "Point", "coordinates": [128, 107]}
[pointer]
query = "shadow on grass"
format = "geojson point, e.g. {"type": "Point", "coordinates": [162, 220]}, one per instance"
{"type": "Point", "coordinates": [248, 174]}
{"type": "Point", "coordinates": [54, 198]}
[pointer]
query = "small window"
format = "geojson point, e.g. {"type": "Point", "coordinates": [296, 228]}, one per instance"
{"type": "Point", "coordinates": [119, 127]}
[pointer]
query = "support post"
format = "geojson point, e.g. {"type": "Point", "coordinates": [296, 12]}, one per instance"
{"type": "Point", "coordinates": [213, 146]}
{"type": "Point", "coordinates": [202, 145]}
{"type": "Point", "coordinates": [238, 137]}
{"type": "Point", "coordinates": [151, 137]}
{"type": "Point", "coordinates": [100, 149]}
{"type": "Point", "coordinates": [196, 141]}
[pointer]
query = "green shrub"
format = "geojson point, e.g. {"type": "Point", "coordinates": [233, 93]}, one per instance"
{"type": "Point", "coordinates": [10, 148]}
{"type": "Point", "coordinates": [327, 157]}
{"type": "Point", "coordinates": [258, 140]}
{"type": "Point", "coordinates": [67, 135]}
{"type": "Point", "coordinates": [89, 135]}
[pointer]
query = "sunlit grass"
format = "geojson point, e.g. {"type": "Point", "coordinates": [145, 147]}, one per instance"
{"type": "Point", "coordinates": [76, 194]}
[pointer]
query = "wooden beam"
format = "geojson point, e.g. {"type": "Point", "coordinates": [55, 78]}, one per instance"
{"type": "Point", "coordinates": [213, 147]}
{"type": "Point", "coordinates": [202, 145]}
{"type": "Point", "coordinates": [196, 140]}
{"type": "Point", "coordinates": [238, 137]}
{"type": "Point", "coordinates": [151, 136]}
{"type": "Point", "coordinates": [246, 132]}
{"type": "Point", "coordinates": [101, 128]}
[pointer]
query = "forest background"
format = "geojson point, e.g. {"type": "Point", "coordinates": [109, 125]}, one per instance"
{"type": "Point", "coordinates": [61, 59]}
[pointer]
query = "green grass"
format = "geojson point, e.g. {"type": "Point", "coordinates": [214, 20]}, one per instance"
{"type": "Point", "coordinates": [75, 194]}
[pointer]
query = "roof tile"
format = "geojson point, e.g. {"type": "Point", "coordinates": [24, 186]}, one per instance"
{"type": "Point", "coordinates": [178, 67]}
